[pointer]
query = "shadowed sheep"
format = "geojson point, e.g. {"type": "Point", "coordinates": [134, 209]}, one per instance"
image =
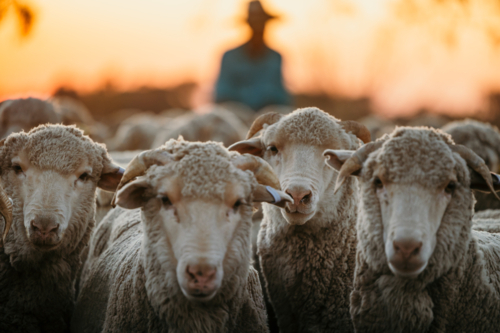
{"type": "Point", "coordinates": [307, 249]}
{"type": "Point", "coordinates": [419, 266]}
{"type": "Point", "coordinates": [17, 115]}
{"type": "Point", "coordinates": [218, 125]}
{"type": "Point", "coordinates": [51, 174]}
{"type": "Point", "coordinates": [179, 261]}
{"type": "Point", "coordinates": [484, 140]}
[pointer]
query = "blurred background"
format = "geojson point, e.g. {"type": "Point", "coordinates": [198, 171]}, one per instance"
{"type": "Point", "coordinates": [394, 59]}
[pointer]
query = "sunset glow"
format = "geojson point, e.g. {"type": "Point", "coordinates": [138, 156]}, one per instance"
{"type": "Point", "coordinates": [405, 55]}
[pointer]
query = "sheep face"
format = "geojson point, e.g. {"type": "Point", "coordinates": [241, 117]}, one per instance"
{"type": "Point", "coordinates": [293, 145]}
{"type": "Point", "coordinates": [416, 202]}
{"type": "Point", "coordinates": [51, 173]}
{"type": "Point", "coordinates": [199, 234]}
{"type": "Point", "coordinates": [411, 215]}
{"type": "Point", "coordinates": [302, 175]}
{"type": "Point", "coordinates": [49, 198]}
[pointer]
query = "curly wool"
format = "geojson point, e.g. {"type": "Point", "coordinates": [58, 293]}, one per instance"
{"type": "Point", "coordinates": [37, 288]}
{"type": "Point", "coordinates": [313, 127]}
{"type": "Point", "coordinates": [458, 290]}
{"type": "Point", "coordinates": [205, 168]}
{"type": "Point", "coordinates": [308, 269]}
{"type": "Point", "coordinates": [130, 283]}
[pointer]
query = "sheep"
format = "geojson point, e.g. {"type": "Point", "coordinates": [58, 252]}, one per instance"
{"type": "Point", "coordinates": [51, 174]}
{"type": "Point", "coordinates": [24, 114]}
{"type": "Point", "coordinates": [419, 266]}
{"type": "Point", "coordinates": [306, 250]}
{"type": "Point", "coordinates": [137, 132]}
{"type": "Point", "coordinates": [179, 261]}
{"type": "Point", "coordinates": [74, 112]}
{"type": "Point", "coordinates": [484, 140]}
{"type": "Point", "coordinates": [218, 125]}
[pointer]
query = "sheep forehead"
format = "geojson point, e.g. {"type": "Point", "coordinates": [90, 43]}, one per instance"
{"type": "Point", "coordinates": [205, 169]}
{"type": "Point", "coordinates": [310, 126]}
{"type": "Point", "coordinates": [59, 148]}
{"type": "Point", "coordinates": [415, 155]}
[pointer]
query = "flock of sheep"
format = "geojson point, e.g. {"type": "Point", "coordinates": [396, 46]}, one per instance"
{"type": "Point", "coordinates": [160, 233]}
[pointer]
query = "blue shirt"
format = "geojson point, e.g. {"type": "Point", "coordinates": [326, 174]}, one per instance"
{"type": "Point", "coordinates": [256, 82]}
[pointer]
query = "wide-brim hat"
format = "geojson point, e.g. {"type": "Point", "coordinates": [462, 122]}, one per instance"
{"type": "Point", "coordinates": [257, 12]}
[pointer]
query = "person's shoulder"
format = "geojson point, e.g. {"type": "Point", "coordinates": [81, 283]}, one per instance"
{"type": "Point", "coordinates": [234, 51]}
{"type": "Point", "coordinates": [274, 53]}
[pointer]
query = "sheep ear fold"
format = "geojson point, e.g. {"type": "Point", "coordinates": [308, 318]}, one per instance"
{"type": "Point", "coordinates": [336, 158]}
{"type": "Point", "coordinates": [478, 183]}
{"type": "Point", "coordinates": [131, 196]}
{"type": "Point", "coordinates": [110, 177]}
{"type": "Point", "coordinates": [251, 146]}
{"type": "Point", "coordinates": [270, 195]}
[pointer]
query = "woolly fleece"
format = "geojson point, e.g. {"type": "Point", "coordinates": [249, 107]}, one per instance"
{"type": "Point", "coordinates": [484, 140]}
{"type": "Point", "coordinates": [309, 268]}
{"type": "Point", "coordinates": [37, 288]}
{"type": "Point", "coordinates": [25, 114]}
{"type": "Point", "coordinates": [130, 282]}
{"type": "Point", "coordinates": [459, 289]}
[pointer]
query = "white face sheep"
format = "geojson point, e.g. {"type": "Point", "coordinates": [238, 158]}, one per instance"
{"type": "Point", "coordinates": [51, 174]}
{"type": "Point", "coordinates": [419, 267]}
{"type": "Point", "coordinates": [306, 250]}
{"type": "Point", "coordinates": [182, 262]}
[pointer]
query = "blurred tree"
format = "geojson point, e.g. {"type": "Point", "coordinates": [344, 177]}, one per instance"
{"type": "Point", "coordinates": [24, 14]}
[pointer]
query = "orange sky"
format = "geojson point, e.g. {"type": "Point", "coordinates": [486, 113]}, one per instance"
{"type": "Point", "coordinates": [403, 56]}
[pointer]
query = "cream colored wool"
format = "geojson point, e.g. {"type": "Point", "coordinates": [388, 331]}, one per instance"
{"type": "Point", "coordinates": [37, 288]}
{"type": "Point", "coordinates": [129, 282]}
{"type": "Point", "coordinates": [459, 289]}
{"type": "Point", "coordinates": [309, 268]}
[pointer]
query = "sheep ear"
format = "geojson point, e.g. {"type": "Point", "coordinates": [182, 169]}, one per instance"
{"type": "Point", "coordinates": [131, 196]}
{"type": "Point", "coordinates": [110, 176]}
{"type": "Point", "coordinates": [478, 183]}
{"type": "Point", "coordinates": [270, 195]}
{"type": "Point", "coordinates": [251, 146]}
{"type": "Point", "coordinates": [336, 158]}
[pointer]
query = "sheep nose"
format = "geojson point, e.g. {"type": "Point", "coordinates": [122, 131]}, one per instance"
{"type": "Point", "coordinates": [407, 248]}
{"type": "Point", "coordinates": [300, 195]}
{"type": "Point", "coordinates": [201, 278]}
{"type": "Point", "coordinates": [43, 227]}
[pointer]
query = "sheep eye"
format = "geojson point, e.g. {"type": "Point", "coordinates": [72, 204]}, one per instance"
{"type": "Point", "coordinates": [450, 188]}
{"type": "Point", "coordinates": [17, 169]}
{"type": "Point", "coordinates": [378, 183]}
{"type": "Point", "coordinates": [272, 149]}
{"type": "Point", "coordinates": [84, 177]}
{"type": "Point", "coordinates": [236, 205]}
{"type": "Point", "coordinates": [166, 201]}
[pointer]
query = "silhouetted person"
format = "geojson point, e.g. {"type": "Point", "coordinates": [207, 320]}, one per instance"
{"type": "Point", "coordinates": [251, 73]}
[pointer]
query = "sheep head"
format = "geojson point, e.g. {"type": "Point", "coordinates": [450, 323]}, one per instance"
{"type": "Point", "coordinates": [293, 145]}
{"type": "Point", "coordinates": [415, 176]}
{"type": "Point", "coordinates": [52, 173]}
{"type": "Point", "coordinates": [196, 200]}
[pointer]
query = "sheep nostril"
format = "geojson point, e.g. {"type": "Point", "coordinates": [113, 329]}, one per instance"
{"type": "Point", "coordinates": [306, 199]}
